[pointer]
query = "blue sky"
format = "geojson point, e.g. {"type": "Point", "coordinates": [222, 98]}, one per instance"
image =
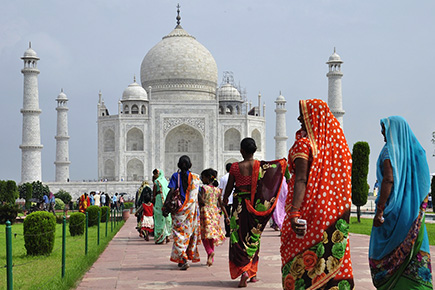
{"type": "Point", "coordinates": [270, 46]}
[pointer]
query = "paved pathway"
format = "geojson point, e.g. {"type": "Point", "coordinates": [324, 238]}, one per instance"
{"type": "Point", "coordinates": [129, 262]}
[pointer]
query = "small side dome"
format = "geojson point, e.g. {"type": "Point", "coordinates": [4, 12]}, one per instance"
{"type": "Point", "coordinates": [280, 98]}
{"type": "Point", "coordinates": [228, 92]}
{"type": "Point", "coordinates": [334, 57]}
{"type": "Point", "coordinates": [62, 96]}
{"type": "Point", "coordinates": [134, 92]}
{"type": "Point", "coordinates": [30, 53]}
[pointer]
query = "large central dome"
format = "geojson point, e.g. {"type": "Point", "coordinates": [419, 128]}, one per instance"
{"type": "Point", "coordinates": [179, 67]}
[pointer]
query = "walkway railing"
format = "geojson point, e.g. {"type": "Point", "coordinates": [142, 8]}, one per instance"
{"type": "Point", "coordinates": [115, 218]}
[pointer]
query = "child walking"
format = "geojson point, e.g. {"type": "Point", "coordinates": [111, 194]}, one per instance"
{"type": "Point", "coordinates": [210, 205]}
{"type": "Point", "coordinates": [147, 221]}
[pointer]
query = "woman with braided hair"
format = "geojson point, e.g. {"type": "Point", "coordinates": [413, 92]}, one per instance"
{"type": "Point", "coordinates": [185, 222]}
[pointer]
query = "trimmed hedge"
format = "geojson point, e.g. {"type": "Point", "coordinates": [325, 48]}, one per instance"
{"type": "Point", "coordinates": [39, 231]}
{"type": "Point", "coordinates": [59, 204]}
{"type": "Point", "coordinates": [93, 211]}
{"type": "Point", "coordinates": [104, 210]}
{"type": "Point", "coordinates": [8, 212]}
{"type": "Point", "coordinates": [77, 224]}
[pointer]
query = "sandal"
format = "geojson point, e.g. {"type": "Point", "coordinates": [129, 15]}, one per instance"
{"type": "Point", "coordinates": [243, 280]}
{"type": "Point", "coordinates": [210, 259]}
{"type": "Point", "coordinates": [185, 266]}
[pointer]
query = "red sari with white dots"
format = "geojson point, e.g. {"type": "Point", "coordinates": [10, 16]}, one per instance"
{"type": "Point", "coordinates": [322, 257]}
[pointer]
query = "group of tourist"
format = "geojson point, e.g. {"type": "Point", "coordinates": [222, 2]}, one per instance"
{"type": "Point", "coordinates": [99, 199]}
{"type": "Point", "coordinates": [310, 205]}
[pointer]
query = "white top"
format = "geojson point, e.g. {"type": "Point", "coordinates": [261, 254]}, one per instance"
{"type": "Point", "coordinates": [223, 184]}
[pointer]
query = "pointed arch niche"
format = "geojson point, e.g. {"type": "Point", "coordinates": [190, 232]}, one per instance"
{"type": "Point", "coordinates": [184, 140]}
{"type": "Point", "coordinates": [109, 140]}
{"type": "Point", "coordinates": [256, 135]}
{"type": "Point", "coordinates": [134, 140]}
{"type": "Point", "coordinates": [232, 140]}
{"type": "Point", "coordinates": [135, 170]}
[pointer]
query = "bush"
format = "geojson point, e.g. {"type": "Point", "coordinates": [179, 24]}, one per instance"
{"type": "Point", "coordinates": [77, 224]}
{"type": "Point", "coordinates": [8, 191]}
{"type": "Point", "coordinates": [28, 194]}
{"type": "Point", "coordinates": [93, 211]}
{"type": "Point", "coordinates": [39, 231]}
{"type": "Point", "coordinates": [59, 204]}
{"type": "Point", "coordinates": [104, 210]}
{"type": "Point", "coordinates": [128, 205]}
{"type": "Point", "coordinates": [64, 196]}
{"type": "Point", "coordinates": [9, 212]}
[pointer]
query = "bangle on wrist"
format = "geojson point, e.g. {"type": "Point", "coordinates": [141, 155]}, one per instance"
{"type": "Point", "coordinates": [380, 207]}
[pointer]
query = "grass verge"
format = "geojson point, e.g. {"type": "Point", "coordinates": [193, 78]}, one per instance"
{"type": "Point", "coordinates": [44, 272]}
{"type": "Point", "coordinates": [365, 228]}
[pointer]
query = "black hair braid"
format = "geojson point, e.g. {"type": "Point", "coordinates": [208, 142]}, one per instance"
{"type": "Point", "coordinates": [184, 164]}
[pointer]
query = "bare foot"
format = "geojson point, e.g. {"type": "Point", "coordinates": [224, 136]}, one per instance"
{"type": "Point", "coordinates": [243, 280]}
{"type": "Point", "coordinates": [254, 279]}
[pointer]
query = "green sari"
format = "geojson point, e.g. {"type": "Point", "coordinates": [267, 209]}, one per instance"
{"type": "Point", "coordinates": [162, 225]}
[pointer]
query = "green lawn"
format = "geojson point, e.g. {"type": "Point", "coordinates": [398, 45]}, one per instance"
{"type": "Point", "coordinates": [365, 228]}
{"type": "Point", "coordinates": [44, 272]}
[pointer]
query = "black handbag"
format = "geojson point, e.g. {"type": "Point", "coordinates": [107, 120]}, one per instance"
{"type": "Point", "coordinates": [172, 202]}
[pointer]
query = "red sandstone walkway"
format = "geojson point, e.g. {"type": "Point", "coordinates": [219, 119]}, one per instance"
{"type": "Point", "coordinates": [129, 262]}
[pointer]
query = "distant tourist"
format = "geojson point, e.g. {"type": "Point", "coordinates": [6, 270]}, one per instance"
{"type": "Point", "coordinates": [210, 207]}
{"type": "Point", "coordinates": [84, 202]}
{"type": "Point", "coordinates": [399, 255]}
{"type": "Point", "coordinates": [45, 202]}
{"type": "Point", "coordinates": [103, 199]}
{"type": "Point", "coordinates": [91, 197]}
{"type": "Point", "coordinates": [255, 190]}
{"type": "Point", "coordinates": [162, 224]}
{"type": "Point", "coordinates": [185, 222]}
{"type": "Point", "coordinates": [52, 202]}
{"type": "Point", "coordinates": [115, 201]}
{"type": "Point", "coordinates": [222, 185]}
{"type": "Point", "coordinates": [315, 233]}
{"type": "Point", "coordinates": [97, 199]}
{"type": "Point", "coordinates": [147, 220]}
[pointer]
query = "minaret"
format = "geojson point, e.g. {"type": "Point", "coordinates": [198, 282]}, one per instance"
{"type": "Point", "coordinates": [281, 134]}
{"type": "Point", "coordinates": [62, 152]}
{"type": "Point", "coordinates": [31, 147]}
{"type": "Point", "coordinates": [334, 86]}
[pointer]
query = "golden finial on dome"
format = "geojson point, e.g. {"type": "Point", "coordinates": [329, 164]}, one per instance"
{"type": "Point", "coordinates": [178, 14]}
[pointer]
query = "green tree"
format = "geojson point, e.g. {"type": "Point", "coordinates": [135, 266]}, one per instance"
{"type": "Point", "coordinates": [63, 195]}
{"type": "Point", "coordinates": [8, 191]}
{"type": "Point", "coordinates": [432, 190]}
{"type": "Point", "coordinates": [360, 170]}
{"type": "Point", "coordinates": [38, 190]}
{"type": "Point", "coordinates": [29, 194]}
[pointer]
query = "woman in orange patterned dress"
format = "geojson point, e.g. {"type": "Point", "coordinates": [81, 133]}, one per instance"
{"type": "Point", "coordinates": [210, 205]}
{"type": "Point", "coordinates": [185, 222]}
{"type": "Point", "coordinates": [315, 249]}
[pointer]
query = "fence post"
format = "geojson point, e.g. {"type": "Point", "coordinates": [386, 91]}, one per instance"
{"type": "Point", "coordinates": [111, 220]}
{"type": "Point", "coordinates": [107, 217]}
{"type": "Point", "coordinates": [98, 229]}
{"type": "Point", "coordinates": [86, 235]}
{"type": "Point", "coordinates": [10, 285]}
{"type": "Point", "coordinates": [63, 245]}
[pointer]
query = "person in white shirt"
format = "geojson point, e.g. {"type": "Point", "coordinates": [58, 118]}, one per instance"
{"type": "Point", "coordinates": [222, 185]}
{"type": "Point", "coordinates": [97, 198]}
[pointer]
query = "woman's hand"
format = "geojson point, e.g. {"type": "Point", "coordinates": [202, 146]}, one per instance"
{"type": "Point", "coordinates": [225, 201]}
{"type": "Point", "coordinates": [378, 220]}
{"type": "Point", "coordinates": [298, 228]}
{"type": "Point", "coordinates": [227, 221]}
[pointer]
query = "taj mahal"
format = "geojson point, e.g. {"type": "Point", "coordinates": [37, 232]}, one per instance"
{"type": "Point", "coordinates": [180, 106]}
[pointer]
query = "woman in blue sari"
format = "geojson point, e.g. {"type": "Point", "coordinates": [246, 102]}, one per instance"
{"type": "Point", "coordinates": [399, 246]}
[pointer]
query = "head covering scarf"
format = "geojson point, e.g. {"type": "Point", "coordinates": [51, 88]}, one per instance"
{"type": "Point", "coordinates": [411, 186]}
{"type": "Point", "coordinates": [331, 168]}
{"type": "Point", "coordinates": [163, 182]}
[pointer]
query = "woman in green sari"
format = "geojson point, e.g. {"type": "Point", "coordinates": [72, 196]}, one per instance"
{"type": "Point", "coordinates": [162, 225]}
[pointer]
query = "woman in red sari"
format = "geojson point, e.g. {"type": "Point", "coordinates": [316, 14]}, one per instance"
{"type": "Point", "coordinates": [315, 254]}
{"type": "Point", "coordinates": [84, 202]}
{"type": "Point", "coordinates": [257, 185]}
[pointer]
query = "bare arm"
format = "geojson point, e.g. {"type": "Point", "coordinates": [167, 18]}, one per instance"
{"type": "Point", "coordinates": [386, 186]}
{"type": "Point", "coordinates": [228, 189]}
{"type": "Point", "coordinates": [227, 219]}
{"type": "Point", "coordinates": [301, 178]}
